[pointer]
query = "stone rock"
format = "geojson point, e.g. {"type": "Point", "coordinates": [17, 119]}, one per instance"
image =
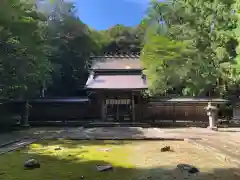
{"type": "Point", "coordinates": [31, 164]}
{"type": "Point", "coordinates": [166, 149]}
{"type": "Point", "coordinates": [189, 168]}
{"type": "Point", "coordinates": [58, 149]}
{"type": "Point", "coordinates": [193, 170]}
{"type": "Point", "coordinates": [107, 167]}
{"type": "Point", "coordinates": [223, 122]}
{"type": "Point", "coordinates": [105, 149]}
{"type": "Point", "coordinates": [213, 128]}
{"type": "Point", "coordinates": [236, 174]}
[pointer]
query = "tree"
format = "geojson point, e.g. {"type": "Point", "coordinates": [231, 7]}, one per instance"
{"type": "Point", "coordinates": [73, 45]}
{"type": "Point", "coordinates": [121, 39]}
{"type": "Point", "coordinates": [207, 27]}
{"type": "Point", "coordinates": [23, 58]}
{"type": "Point", "coordinates": [167, 62]}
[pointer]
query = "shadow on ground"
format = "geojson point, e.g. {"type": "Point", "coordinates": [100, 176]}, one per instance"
{"type": "Point", "coordinates": [77, 143]}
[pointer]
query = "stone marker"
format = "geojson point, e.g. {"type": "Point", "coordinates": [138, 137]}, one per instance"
{"type": "Point", "coordinates": [31, 164]}
{"type": "Point", "coordinates": [212, 113]}
{"type": "Point", "coordinates": [107, 167]}
{"type": "Point", "coordinates": [25, 115]}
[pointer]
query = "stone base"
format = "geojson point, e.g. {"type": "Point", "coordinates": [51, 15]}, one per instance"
{"type": "Point", "coordinates": [25, 125]}
{"type": "Point", "coordinates": [213, 128]}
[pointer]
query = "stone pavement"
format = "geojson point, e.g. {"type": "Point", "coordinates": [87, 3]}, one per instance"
{"type": "Point", "coordinates": [16, 145]}
{"type": "Point", "coordinates": [225, 141]}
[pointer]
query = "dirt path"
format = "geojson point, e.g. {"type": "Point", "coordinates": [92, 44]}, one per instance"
{"type": "Point", "coordinates": [166, 162]}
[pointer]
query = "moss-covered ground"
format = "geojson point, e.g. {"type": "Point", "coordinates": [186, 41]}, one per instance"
{"type": "Point", "coordinates": [131, 160]}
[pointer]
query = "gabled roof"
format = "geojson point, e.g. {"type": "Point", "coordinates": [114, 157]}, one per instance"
{"type": "Point", "coordinates": [133, 82]}
{"type": "Point", "coordinates": [117, 62]}
{"type": "Point", "coordinates": [117, 72]}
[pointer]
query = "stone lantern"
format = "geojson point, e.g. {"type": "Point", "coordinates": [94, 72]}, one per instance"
{"type": "Point", "coordinates": [25, 115]}
{"type": "Point", "coordinates": [212, 113]}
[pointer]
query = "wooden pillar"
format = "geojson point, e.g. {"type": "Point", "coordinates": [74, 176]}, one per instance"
{"type": "Point", "coordinates": [140, 106]}
{"type": "Point", "coordinates": [133, 108]}
{"type": "Point", "coordinates": [103, 108]}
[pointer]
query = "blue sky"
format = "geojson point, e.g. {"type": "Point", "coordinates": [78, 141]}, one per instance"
{"type": "Point", "coordinates": [102, 14]}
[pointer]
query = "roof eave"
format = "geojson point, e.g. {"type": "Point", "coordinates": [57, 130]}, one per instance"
{"type": "Point", "coordinates": [132, 89]}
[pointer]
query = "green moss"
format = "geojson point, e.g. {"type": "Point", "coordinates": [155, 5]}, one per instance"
{"type": "Point", "coordinates": [75, 159]}
{"type": "Point", "coordinates": [131, 160]}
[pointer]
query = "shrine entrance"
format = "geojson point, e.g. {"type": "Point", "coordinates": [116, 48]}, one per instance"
{"type": "Point", "coordinates": [118, 110]}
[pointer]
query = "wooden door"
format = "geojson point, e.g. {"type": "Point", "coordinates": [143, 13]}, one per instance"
{"type": "Point", "coordinates": [118, 110]}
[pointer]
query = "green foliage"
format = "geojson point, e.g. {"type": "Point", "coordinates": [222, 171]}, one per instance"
{"type": "Point", "coordinates": [121, 39]}
{"type": "Point", "coordinates": [207, 29]}
{"type": "Point", "coordinates": [44, 46]}
{"type": "Point", "coordinates": [72, 45]}
{"type": "Point", "coordinates": [23, 57]}
{"type": "Point", "coordinates": [166, 61]}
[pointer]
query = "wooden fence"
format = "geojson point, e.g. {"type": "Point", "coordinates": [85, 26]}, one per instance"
{"type": "Point", "coordinates": [83, 110]}
{"type": "Point", "coordinates": [175, 112]}
{"type": "Point", "coordinates": [76, 112]}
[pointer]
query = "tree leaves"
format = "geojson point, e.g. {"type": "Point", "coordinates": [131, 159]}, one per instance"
{"type": "Point", "coordinates": [205, 31]}
{"type": "Point", "coordinates": [22, 58]}
{"type": "Point", "coordinates": [166, 62]}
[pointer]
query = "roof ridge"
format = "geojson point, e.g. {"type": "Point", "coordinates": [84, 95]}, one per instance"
{"type": "Point", "coordinates": [110, 55]}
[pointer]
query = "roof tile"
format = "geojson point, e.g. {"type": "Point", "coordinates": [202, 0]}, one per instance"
{"type": "Point", "coordinates": [116, 82]}
{"type": "Point", "coordinates": [117, 62]}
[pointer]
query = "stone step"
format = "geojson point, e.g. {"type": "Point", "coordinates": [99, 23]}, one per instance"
{"type": "Point", "coordinates": [115, 124]}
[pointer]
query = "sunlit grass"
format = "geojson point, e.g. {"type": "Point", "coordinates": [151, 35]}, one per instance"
{"type": "Point", "coordinates": [131, 160]}
{"type": "Point", "coordinates": [78, 151]}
